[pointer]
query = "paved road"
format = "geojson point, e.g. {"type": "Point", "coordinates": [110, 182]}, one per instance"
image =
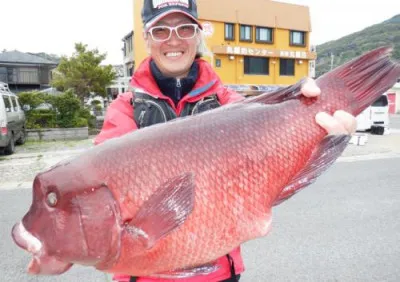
{"type": "Point", "coordinates": [394, 121]}
{"type": "Point", "coordinates": [345, 227]}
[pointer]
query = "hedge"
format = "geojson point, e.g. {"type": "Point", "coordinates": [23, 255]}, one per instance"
{"type": "Point", "coordinates": [62, 111]}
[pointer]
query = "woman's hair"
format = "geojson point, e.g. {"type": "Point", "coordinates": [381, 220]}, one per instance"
{"type": "Point", "coordinates": [202, 49]}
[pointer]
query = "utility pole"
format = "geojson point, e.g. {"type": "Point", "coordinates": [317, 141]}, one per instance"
{"type": "Point", "coordinates": [332, 56]}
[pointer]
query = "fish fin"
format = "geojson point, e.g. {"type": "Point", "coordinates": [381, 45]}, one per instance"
{"type": "Point", "coordinates": [164, 211]}
{"type": "Point", "coordinates": [278, 96]}
{"type": "Point", "coordinates": [367, 76]}
{"type": "Point", "coordinates": [189, 272]}
{"type": "Point", "coordinates": [330, 148]}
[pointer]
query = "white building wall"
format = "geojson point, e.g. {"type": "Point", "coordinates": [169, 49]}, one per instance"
{"type": "Point", "coordinates": [396, 89]}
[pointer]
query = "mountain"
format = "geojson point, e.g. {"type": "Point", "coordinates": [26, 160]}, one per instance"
{"type": "Point", "coordinates": [355, 44]}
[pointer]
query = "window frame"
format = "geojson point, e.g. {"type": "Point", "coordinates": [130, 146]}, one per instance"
{"type": "Point", "coordinates": [218, 63]}
{"type": "Point", "coordinates": [14, 103]}
{"type": "Point", "coordinates": [240, 33]}
{"type": "Point", "coordinates": [280, 66]}
{"type": "Point", "coordinates": [5, 98]}
{"type": "Point", "coordinates": [291, 38]}
{"type": "Point", "coordinates": [257, 28]}
{"type": "Point", "coordinates": [233, 32]}
{"type": "Point", "coordinates": [246, 61]}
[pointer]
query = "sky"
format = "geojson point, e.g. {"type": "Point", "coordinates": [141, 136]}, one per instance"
{"type": "Point", "coordinates": [54, 26]}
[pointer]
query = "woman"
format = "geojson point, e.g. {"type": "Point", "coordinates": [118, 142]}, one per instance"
{"type": "Point", "coordinates": [173, 82]}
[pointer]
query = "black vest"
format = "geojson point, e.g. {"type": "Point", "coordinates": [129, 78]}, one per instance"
{"type": "Point", "coordinates": [149, 110]}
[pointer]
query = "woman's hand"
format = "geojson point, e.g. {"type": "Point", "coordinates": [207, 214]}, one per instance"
{"type": "Point", "coordinates": [340, 123]}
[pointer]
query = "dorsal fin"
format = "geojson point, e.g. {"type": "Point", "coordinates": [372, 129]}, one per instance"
{"type": "Point", "coordinates": [278, 96]}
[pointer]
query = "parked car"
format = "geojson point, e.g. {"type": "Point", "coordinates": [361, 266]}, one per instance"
{"type": "Point", "coordinates": [376, 117]}
{"type": "Point", "coordinates": [12, 121]}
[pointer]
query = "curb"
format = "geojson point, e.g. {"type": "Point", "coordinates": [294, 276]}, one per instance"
{"type": "Point", "coordinates": [17, 156]}
{"type": "Point", "coordinates": [8, 186]}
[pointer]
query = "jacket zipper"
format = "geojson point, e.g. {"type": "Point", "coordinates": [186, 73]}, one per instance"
{"type": "Point", "coordinates": [178, 91]}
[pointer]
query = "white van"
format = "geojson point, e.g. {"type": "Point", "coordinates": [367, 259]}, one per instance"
{"type": "Point", "coordinates": [12, 120]}
{"type": "Point", "coordinates": [375, 118]}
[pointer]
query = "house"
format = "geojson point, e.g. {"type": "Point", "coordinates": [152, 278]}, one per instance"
{"type": "Point", "coordinates": [123, 72]}
{"type": "Point", "coordinates": [255, 43]}
{"type": "Point", "coordinates": [120, 83]}
{"type": "Point", "coordinates": [24, 71]}
{"type": "Point", "coordinates": [128, 54]}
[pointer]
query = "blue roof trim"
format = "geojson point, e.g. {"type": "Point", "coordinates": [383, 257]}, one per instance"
{"type": "Point", "coordinates": [202, 89]}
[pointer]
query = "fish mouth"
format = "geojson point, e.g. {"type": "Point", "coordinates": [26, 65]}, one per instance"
{"type": "Point", "coordinates": [41, 263]}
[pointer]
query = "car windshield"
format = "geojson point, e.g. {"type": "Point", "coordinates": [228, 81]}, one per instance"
{"type": "Point", "coordinates": [381, 102]}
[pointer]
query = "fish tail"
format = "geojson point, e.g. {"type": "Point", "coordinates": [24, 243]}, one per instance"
{"type": "Point", "coordinates": [367, 77]}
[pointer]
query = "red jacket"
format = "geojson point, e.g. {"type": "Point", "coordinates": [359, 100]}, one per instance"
{"type": "Point", "coordinates": [119, 121]}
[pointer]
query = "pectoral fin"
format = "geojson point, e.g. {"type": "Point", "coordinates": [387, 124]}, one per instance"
{"type": "Point", "coordinates": [321, 159]}
{"type": "Point", "coordinates": [164, 211]}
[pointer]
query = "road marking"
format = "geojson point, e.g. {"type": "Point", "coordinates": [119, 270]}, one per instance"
{"type": "Point", "coordinates": [369, 157]}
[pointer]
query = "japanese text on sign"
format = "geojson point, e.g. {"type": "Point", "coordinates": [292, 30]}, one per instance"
{"type": "Point", "coordinates": [247, 51]}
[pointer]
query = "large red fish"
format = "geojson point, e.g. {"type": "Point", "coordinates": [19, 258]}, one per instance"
{"type": "Point", "coordinates": [172, 198]}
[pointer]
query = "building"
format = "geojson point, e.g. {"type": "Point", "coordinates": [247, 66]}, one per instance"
{"type": "Point", "coordinates": [24, 71]}
{"type": "Point", "coordinates": [257, 42]}
{"type": "Point", "coordinates": [394, 98]}
{"type": "Point", "coordinates": [128, 54]}
{"type": "Point", "coordinates": [120, 83]}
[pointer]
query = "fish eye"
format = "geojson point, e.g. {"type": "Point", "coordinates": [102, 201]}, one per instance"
{"type": "Point", "coordinates": [52, 199]}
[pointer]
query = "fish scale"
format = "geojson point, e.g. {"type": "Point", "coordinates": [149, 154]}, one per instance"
{"type": "Point", "coordinates": [265, 165]}
{"type": "Point", "coordinates": [170, 199]}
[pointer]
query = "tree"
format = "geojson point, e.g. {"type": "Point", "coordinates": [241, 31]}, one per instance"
{"type": "Point", "coordinates": [83, 73]}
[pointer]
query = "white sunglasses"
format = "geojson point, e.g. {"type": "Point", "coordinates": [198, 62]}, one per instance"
{"type": "Point", "coordinates": [163, 33]}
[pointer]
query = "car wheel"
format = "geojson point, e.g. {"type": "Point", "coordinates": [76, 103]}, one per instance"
{"type": "Point", "coordinates": [21, 140]}
{"type": "Point", "coordinates": [10, 149]}
{"type": "Point", "coordinates": [378, 130]}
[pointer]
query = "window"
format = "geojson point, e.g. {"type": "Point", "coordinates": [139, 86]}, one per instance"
{"type": "Point", "coordinates": [14, 104]}
{"type": "Point", "coordinates": [286, 67]}
{"type": "Point", "coordinates": [218, 63]}
{"type": "Point", "coordinates": [129, 71]}
{"type": "Point", "coordinates": [7, 103]}
{"type": "Point", "coordinates": [3, 74]}
{"type": "Point", "coordinates": [256, 65]}
{"type": "Point", "coordinates": [381, 102]}
{"type": "Point", "coordinates": [12, 74]}
{"type": "Point", "coordinates": [297, 38]}
{"type": "Point", "coordinates": [229, 31]}
{"type": "Point", "coordinates": [264, 35]}
{"type": "Point", "coordinates": [18, 105]}
{"type": "Point", "coordinates": [245, 33]}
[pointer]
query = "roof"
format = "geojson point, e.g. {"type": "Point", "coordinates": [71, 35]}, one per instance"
{"type": "Point", "coordinates": [266, 13]}
{"type": "Point", "coordinates": [129, 35]}
{"type": "Point", "coordinates": [23, 58]}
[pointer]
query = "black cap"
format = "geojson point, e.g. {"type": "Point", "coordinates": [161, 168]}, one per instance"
{"type": "Point", "coordinates": [154, 10]}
